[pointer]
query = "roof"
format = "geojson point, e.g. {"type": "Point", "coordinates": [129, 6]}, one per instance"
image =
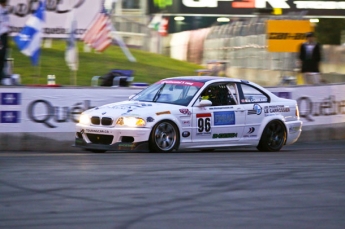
{"type": "Point", "coordinates": [202, 79]}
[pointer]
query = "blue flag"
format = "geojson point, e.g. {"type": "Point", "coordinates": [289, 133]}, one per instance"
{"type": "Point", "coordinates": [29, 39]}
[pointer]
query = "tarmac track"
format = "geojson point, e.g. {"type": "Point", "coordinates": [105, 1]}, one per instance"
{"type": "Point", "coordinates": [303, 186]}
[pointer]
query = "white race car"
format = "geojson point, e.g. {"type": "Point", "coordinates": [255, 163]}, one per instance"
{"type": "Point", "coordinates": [196, 112]}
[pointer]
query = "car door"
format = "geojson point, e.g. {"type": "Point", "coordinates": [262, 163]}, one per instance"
{"type": "Point", "coordinates": [253, 101]}
{"type": "Point", "coordinates": [222, 121]}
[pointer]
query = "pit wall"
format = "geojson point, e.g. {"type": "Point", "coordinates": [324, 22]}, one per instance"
{"type": "Point", "coordinates": [43, 119]}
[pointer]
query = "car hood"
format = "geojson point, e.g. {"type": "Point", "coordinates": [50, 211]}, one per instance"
{"type": "Point", "coordinates": [131, 108]}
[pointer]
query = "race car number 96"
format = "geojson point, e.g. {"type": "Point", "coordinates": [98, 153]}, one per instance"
{"type": "Point", "coordinates": [204, 123]}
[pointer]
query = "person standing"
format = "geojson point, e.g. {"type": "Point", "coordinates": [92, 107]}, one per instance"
{"type": "Point", "coordinates": [4, 30]}
{"type": "Point", "coordinates": [310, 57]}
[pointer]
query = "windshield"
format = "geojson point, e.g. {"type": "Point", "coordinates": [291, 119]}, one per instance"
{"type": "Point", "coordinates": [179, 92]}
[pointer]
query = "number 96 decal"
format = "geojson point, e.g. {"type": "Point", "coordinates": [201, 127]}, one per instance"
{"type": "Point", "coordinates": [204, 123]}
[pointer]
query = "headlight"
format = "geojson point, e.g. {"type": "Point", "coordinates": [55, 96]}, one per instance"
{"type": "Point", "coordinates": [131, 121]}
{"type": "Point", "coordinates": [84, 119]}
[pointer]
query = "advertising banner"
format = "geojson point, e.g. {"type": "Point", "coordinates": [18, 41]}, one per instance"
{"type": "Point", "coordinates": [51, 109]}
{"type": "Point", "coordinates": [286, 35]}
{"type": "Point", "coordinates": [318, 105]}
{"type": "Point", "coordinates": [34, 110]}
{"type": "Point", "coordinates": [57, 15]}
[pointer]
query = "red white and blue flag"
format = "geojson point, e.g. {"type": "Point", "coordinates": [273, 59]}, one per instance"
{"type": "Point", "coordinates": [98, 34]}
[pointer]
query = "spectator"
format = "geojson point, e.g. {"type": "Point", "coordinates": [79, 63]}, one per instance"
{"type": "Point", "coordinates": [4, 30]}
{"type": "Point", "coordinates": [310, 57]}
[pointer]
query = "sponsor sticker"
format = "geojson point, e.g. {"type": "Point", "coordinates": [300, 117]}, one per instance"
{"type": "Point", "coordinates": [182, 82]}
{"type": "Point", "coordinates": [185, 122]}
{"type": "Point", "coordinates": [275, 109]}
{"type": "Point", "coordinates": [294, 129]}
{"type": "Point", "coordinates": [225, 135]}
{"type": "Point", "coordinates": [224, 118]}
{"type": "Point", "coordinates": [185, 111]}
{"type": "Point", "coordinates": [97, 131]}
{"type": "Point", "coordinates": [185, 134]}
{"type": "Point", "coordinates": [257, 109]}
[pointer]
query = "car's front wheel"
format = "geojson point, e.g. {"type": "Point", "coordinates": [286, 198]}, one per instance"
{"type": "Point", "coordinates": [273, 137]}
{"type": "Point", "coordinates": [164, 137]}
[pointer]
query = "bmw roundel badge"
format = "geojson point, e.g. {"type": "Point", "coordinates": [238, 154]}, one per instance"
{"type": "Point", "coordinates": [185, 134]}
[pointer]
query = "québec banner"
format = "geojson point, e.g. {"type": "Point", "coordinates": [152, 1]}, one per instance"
{"type": "Point", "coordinates": [24, 110]}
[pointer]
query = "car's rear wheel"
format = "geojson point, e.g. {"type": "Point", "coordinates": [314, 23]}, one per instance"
{"type": "Point", "coordinates": [273, 137]}
{"type": "Point", "coordinates": [164, 137]}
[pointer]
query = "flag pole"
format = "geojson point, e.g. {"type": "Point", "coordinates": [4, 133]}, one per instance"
{"type": "Point", "coordinates": [118, 38]}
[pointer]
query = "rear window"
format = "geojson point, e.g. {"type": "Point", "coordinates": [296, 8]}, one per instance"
{"type": "Point", "coordinates": [253, 95]}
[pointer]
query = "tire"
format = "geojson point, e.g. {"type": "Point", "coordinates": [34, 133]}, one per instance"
{"type": "Point", "coordinates": [164, 137]}
{"type": "Point", "coordinates": [273, 137]}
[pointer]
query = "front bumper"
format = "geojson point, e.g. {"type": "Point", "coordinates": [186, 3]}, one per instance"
{"type": "Point", "coordinates": [119, 146]}
{"type": "Point", "coordinates": [112, 139]}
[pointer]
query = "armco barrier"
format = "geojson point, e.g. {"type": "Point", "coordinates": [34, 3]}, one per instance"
{"type": "Point", "coordinates": [43, 119]}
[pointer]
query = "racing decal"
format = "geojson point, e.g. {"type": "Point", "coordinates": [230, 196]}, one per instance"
{"type": "Point", "coordinates": [254, 100]}
{"type": "Point", "coordinates": [294, 129]}
{"type": "Point", "coordinates": [257, 109]}
{"type": "Point", "coordinates": [182, 82]}
{"type": "Point", "coordinates": [185, 111]}
{"type": "Point", "coordinates": [10, 98]}
{"type": "Point", "coordinates": [274, 109]}
{"type": "Point", "coordinates": [185, 134]}
{"type": "Point", "coordinates": [185, 123]}
{"type": "Point", "coordinates": [9, 116]}
{"type": "Point", "coordinates": [204, 123]}
{"type": "Point", "coordinates": [250, 132]}
{"type": "Point", "coordinates": [150, 119]}
{"type": "Point", "coordinates": [129, 107]}
{"type": "Point", "coordinates": [130, 115]}
{"type": "Point", "coordinates": [220, 108]}
{"type": "Point", "coordinates": [225, 135]}
{"type": "Point", "coordinates": [97, 131]}
{"type": "Point", "coordinates": [163, 112]}
{"type": "Point", "coordinates": [223, 118]}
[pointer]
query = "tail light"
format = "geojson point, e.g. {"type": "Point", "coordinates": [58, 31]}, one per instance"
{"type": "Point", "coordinates": [297, 112]}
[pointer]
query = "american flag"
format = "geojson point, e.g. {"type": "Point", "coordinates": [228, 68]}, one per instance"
{"type": "Point", "coordinates": [98, 34]}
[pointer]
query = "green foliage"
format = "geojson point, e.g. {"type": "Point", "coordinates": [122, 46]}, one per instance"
{"type": "Point", "coordinates": [328, 30]}
{"type": "Point", "coordinates": [149, 67]}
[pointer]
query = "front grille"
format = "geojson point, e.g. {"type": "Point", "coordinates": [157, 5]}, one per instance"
{"type": "Point", "coordinates": [100, 139]}
{"type": "Point", "coordinates": [95, 120]}
{"type": "Point", "coordinates": [127, 139]}
{"type": "Point", "coordinates": [107, 121]}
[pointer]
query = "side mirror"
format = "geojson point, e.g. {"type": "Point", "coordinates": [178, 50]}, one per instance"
{"type": "Point", "coordinates": [131, 96]}
{"type": "Point", "coordinates": [205, 103]}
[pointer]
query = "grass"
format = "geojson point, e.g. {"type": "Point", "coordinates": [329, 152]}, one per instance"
{"type": "Point", "coordinates": [149, 67]}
